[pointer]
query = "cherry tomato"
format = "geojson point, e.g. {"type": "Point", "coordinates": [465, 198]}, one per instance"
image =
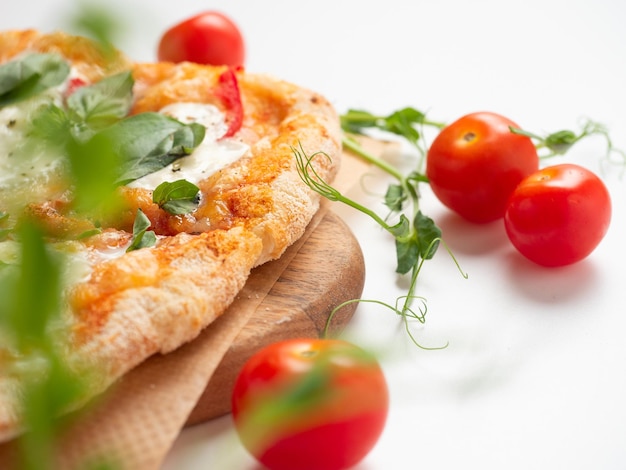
{"type": "Point", "coordinates": [558, 215]}
{"type": "Point", "coordinates": [310, 404]}
{"type": "Point", "coordinates": [207, 38]}
{"type": "Point", "coordinates": [475, 163]}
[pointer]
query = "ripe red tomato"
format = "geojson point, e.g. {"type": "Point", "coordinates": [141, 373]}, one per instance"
{"type": "Point", "coordinates": [558, 215]}
{"type": "Point", "coordinates": [310, 404]}
{"type": "Point", "coordinates": [475, 163]}
{"type": "Point", "coordinates": [207, 38]}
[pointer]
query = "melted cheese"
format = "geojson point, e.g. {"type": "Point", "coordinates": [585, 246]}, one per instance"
{"type": "Point", "coordinates": [26, 171]}
{"type": "Point", "coordinates": [213, 154]}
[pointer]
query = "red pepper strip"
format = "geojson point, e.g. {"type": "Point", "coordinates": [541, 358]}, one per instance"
{"type": "Point", "coordinates": [227, 92]}
{"type": "Point", "coordinates": [73, 85]}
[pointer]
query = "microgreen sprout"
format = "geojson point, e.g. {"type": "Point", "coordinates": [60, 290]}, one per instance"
{"type": "Point", "coordinates": [560, 142]}
{"type": "Point", "coordinates": [403, 122]}
{"type": "Point", "coordinates": [417, 238]}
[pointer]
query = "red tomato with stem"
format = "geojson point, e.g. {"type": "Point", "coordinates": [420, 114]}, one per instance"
{"type": "Point", "coordinates": [310, 404]}
{"type": "Point", "coordinates": [475, 163]}
{"type": "Point", "coordinates": [207, 38]}
{"type": "Point", "coordinates": [558, 215]}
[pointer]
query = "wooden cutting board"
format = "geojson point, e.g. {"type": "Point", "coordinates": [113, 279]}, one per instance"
{"type": "Point", "coordinates": [325, 271]}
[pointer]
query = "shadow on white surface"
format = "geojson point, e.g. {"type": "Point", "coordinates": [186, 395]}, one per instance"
{"type": "Point", "coordinates": [467, 238]}
{"type": "Point", "coordinates": [549, 285]}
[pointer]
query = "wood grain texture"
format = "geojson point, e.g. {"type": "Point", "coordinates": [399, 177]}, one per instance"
{"type": "Point", "coordinates": [326, 270]}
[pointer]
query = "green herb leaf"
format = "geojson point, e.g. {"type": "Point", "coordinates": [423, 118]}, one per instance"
{"type": "Point", "coordinates": [89, 233]}
{"type": "Point", "coordinates": [178, 198]}
{"type": "Point", "coordinates": [103, 103]}
{"type": "Point", "coordinates": [50, 127]}
{"type": "Point", "coordinates": [560, 142]}
{"type": "Point", "coordinates": [402, 123]}
{"type": "Point", "coordinates": [395, 197]}
{"type": "Point", "coordinates": [428, 235]}
{"type": "Point", "coordinates": [407, 254]}
{"type": "Point", "coordinates": [30, 75]}
{"type": "Point", "coordinates": [31, 291]}
{"type": "Point", "coordinates": [356, 121]}
{"type": "Point", "coordinates": [402, 229]}
{"type": "Point", "coordinates": [148, 142]}
{"type": "Point", "coordinates": [142, 238]}
{"type": "Point", "coordinates": [99, 21]}
{"type": "Point", "coordinates": [94, 170]}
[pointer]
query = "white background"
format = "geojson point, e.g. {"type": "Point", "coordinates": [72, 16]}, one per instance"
{"type": "Point", "coordinates": [534, 376]}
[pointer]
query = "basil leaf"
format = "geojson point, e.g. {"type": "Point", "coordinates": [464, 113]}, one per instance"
{"type": "Point", "coordinates": [102, 103]}
{"type": "Point", "coordinates": [178, 198]}
{"type": "Point", "coordinates": [50, 126]}
{"type": "Point", "coordinates": [142, 238]}
{"type": "Point", "coordinates": [89, 233]}
{"type": "Point", "coordinates": [148, 142]}
{"type": "Point", "coordinates": [428, 235]}
{"type": "Point", "coordinates": [26, 77]}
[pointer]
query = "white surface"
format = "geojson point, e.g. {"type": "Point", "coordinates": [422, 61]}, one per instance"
{"type": "Point", "coordinates": [534, 376]}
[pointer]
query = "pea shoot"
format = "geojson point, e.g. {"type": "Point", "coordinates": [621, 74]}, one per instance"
{"type": "Point", "coordinates": [416, 236]}
{"type": "Point", "coordinates": [560, 142]}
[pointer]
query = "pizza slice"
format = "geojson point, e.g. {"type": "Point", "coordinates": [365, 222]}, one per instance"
{"type": "Point", "coordinates": [204, 187]}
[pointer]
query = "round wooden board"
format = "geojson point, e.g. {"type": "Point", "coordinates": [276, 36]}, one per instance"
{"type": "Point", "coordinates": [327, 270]}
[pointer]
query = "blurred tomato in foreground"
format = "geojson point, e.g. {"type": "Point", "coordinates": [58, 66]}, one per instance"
{"type": "Point", "coordinates": [310, 404]}
{"type": "Point", "coordinates": [207, 38]}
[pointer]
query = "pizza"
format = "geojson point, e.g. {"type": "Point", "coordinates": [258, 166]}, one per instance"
{"type": "Point", "coordinates": [148, 270]}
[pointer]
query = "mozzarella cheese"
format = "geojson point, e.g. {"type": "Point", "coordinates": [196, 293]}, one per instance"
{"type": "Point", "coordinates": [213, 153]}
{"type": "Point", "coordinates": [26, 171]}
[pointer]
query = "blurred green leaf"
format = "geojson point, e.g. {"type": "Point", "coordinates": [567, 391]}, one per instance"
{"type": "Point", "coordinates": [30, 75]}
{"type": "Point", "coordinates": [103, 103]}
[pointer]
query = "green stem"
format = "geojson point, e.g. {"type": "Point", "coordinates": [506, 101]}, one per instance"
{"type": "Point", "coordinates": [360, 151]}
{"type": "Point", "coordinates": [383, 165]}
